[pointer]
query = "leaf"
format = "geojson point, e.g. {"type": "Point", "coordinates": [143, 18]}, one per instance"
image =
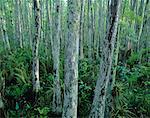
{"type": "Point", "coordinates": [43, 111]}
{"type": "Point", "coordinates": [17, 106]}
{"type": "Point", "coordinates": [20, 75]}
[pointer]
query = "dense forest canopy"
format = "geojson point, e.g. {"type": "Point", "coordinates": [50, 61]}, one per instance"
{"type": "Point", "coordinates": [74, 58]}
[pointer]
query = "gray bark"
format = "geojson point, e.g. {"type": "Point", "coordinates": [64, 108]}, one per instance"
{"type": "Point", "coordinates": [22, 22]}
{"type": "Point", "coordinates": [71, 61]}
{"type": "Point", "coordinates": [98, 106]}
{"type": "Point", "coordinates": [30, 21]}
{"type": "Point", "coordinates": [4, 30]}
{"type": "Point", "coordinates": [18, 23]}
{"type": "Point", "coordinates": [49, 18]}
{"type": "Point", "coordinates": [81, 30]}
{"type": "Point", "coordinates": [4, 34]}
{"type": "Point", "coordinates": [116, 59]}
{"type": "Point", "coordinates": [141, 25]}
{"type": "Point", "coordinates": [101, 27]}
{"type": "Point", "coordinates": [35, 46]}
{"type": "Point", "coordinates": [89, 30]}
{"type": "Point", "coordinates": [57, 102]}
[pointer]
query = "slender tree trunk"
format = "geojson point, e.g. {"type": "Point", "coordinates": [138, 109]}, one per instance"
{"type": "Point", "coordinates": [98, 106]}
{"type": "Point", "coordinates": [35, 46]}
{"type": "Point", "coordinates": [147, 29]}
{"type": "Point", "coordinates": [71, 61]}
{"type": "Point", "coordinates": [2, 88]}
{"type": "Point", "coordinates": [4, 34]}
{"type": "Point", "coordinates": [2, 115]}
{"type": "Point", "coordinates": [4, 30]}
{"type": "Point", "coordinates": [57, 102]}
{"type": "Point", "coordinates": [30, 21]}
{"type": "Point", "coordinates": [18, 23]}
{"type": "Point", "coordinates": [112, 84]}
{"type": "Point", "coordinates": [26, 26]}
{"type": "Point", "coordinates": [133, 5]}
{"type": "Point", "coordinates": [101, 26]}
{"type": "Point", "coordinates": [46, 41]}
{"type": "Point", "coordinates": [22, 22]}
{"type": "Point", "coordinates": [14, 21]}
{"type": "Point", "coordinates": [81, 55]}
{"type": "Point", "coordinates": [41, 19]}
{"type": "Point", "coordinates": [141, 25]}
{"type": "Point", "coordinates": [89, 30]}
{"type": "Point", "coordinates": [116, 59]}
{"type": "Point", "coordinates": [49, 19]}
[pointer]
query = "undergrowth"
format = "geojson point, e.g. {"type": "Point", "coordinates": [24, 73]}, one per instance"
{"type": "Point", "coordinates": [131, 96]}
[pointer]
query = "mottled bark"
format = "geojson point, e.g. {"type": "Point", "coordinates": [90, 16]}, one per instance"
{"type": "Point", "coordinates": [98, 106]}
{"type": "Point", "coordinates": [71, 61]}
{"type": "Point", "coordinates": [57, 102]}
{"type": "Point", "coordinates": [35, 46]}
{"type": "Point", "coordinates": [111, 99]}
{"type": "Point", "coordinates": [4, 34]}
{"type": "Point", "coordinates": [42, 20]}
{"type": "Point", "coordinates": [4, 29]}
{"type": "Point", "coordinates": [116, 58]}
{"type": "Point", "coordinates": [49, 21]}
{"type": "Point", "coordinates": [63, 28]}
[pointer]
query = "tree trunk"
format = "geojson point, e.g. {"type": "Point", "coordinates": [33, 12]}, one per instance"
{"type": "Point", "coordinates": [141, 25]}
{"type": "Point", "coordinates": [30, 21]}
{"type": "Point", "coordinates": [89, 30]}
{"type": "Point", "coordinates": [116, 58]}
{"type": "Point", "coordinates": [49, 20]}
{"type": "Point", "coordinates": [2, 90]}
{"type": "Point", "coordinates": [3, 28]}
{"type": "Point", "coordinates": [57, 102]}
{"type": "Point", "coordinates": [4, 34]}
{"type": "Point", "coordinates": [101, 22]}
{"type": "Point", "coordinates": [81, 55]}
{"type": "Point", "coordinates": [98, 106]}
{"type": "Point", "coordinates": [71, 61]}
{"type": "Point", "coordinates": [18, 23]}
{"type": "Point", "coordinates": [35, 46]}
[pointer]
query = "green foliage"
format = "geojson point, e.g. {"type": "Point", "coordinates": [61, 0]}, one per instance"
{"type": "Point", "coordinates": [127, 32]}
{"type": "Point", "coordinates": [139, 57]}
{"type": "Point", "coordinates": [120, 102]}
{"type": "Point", "coordinates": [131, 16]}
{"type": "Point", "coordinates": [129, 93]}
{"type": "Point", "coordinates": [133, 96]}
{"type": "Point", "coordinates": [43, 111]}
{"type": "Point", "coordinates": [87, 80]}
{"type": "Point", "coordinates": [16, 68]}
{"type": "Point", "coordinates": [85, 93]}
